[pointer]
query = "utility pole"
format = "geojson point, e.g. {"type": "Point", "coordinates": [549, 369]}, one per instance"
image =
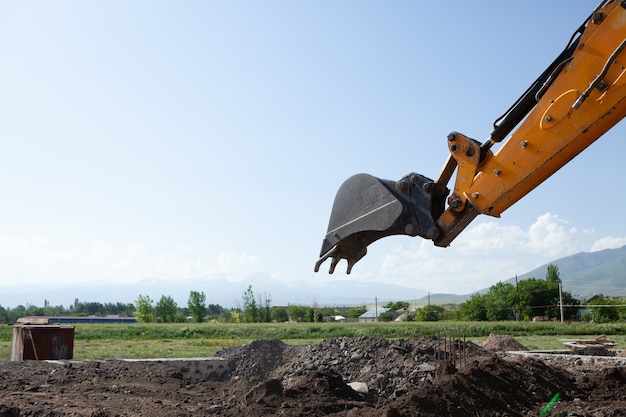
{"type": "Point", "coordinates": [519, 307]}
{"type": "Point", "coordinates": [376, 308]}
{"type": "Point", "coordinates": [561, 300]}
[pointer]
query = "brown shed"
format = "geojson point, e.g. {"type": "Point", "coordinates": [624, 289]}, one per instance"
{"type": "Point", "coordinates": [41, 341]}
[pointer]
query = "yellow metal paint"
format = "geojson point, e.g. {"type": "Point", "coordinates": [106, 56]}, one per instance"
{"type": "Point", "coordinates": [553, 132]}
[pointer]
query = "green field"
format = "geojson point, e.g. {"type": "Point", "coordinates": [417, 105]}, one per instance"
{"type": "Point", "coordinates": [107, 341]}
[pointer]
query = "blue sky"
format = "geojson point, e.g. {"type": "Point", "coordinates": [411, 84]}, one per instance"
{"type": "Point", "coordinates": [187, 139]}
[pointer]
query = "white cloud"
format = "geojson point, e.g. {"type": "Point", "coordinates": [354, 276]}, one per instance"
{"type": "Point", "coordinates": [483, 255]}
{"type": "Point", "coordinates": [552, 236]}
{"type": "Point", "coordinates": [608, 242]}
{"type": "Point", "coordinates": [487, 252]}
{"type": "Point", "coordinates": [489, 237]}
{"type": "Point", "coordinates": [45, 260]}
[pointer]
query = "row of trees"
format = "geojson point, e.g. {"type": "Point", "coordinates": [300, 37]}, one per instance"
{"type": "Point", "coordinates": [528, 298]}
{"type": "Point", "coordinates": [166, 310]}
{"type": "Point", "coordinates": [256, 308]}
{"type": "Point", "coordinates": [77, 309]}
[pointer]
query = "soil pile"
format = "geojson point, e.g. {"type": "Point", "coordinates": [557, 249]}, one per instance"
{"type": "Point", "coordinates": [362, 376]}
{"type": "Point", "coordinates": [502, 343]}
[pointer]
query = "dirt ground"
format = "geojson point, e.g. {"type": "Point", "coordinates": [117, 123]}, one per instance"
{"type": "Point", "coordinates": [336, 377]}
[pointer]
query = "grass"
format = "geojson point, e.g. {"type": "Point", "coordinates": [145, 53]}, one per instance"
{"type": "Point", "coordinates": [135, 341]}
{"type": "Point", "coordinates": [146, 349]}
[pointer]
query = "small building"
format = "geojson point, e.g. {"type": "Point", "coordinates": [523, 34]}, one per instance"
{"type": "Point", "coordinates": [39, 339]}
{"type": "Point", "coordinates": [373, 315]}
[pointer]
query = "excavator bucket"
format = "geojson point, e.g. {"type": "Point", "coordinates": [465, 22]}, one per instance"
{"type": "Point", "coordinates": [367, 208]}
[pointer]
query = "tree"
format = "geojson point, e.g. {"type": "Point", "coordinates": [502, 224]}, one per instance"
{"type": "Point", "coordinates": [16, 312]}
{"type": "Point", "coordinates": [499, 302]}
{"type": "Point", "coordinates": [179, 317]}
{"type": "Point", "coordinates": [605, 312]}
{"type": "Point", "coordinates": [355, 312]}
{"type": "Point", "coordinates": [145, 311]}
{"type": "Point", "coordinates": [531, 297]}
{"type": "Point", "coordinates": [233, 316]}
{"type": "Point", "coordinates": [279, 314]}
{"type": "Point", "coordinates": [299, 313]}
{"type": "Point", "coordinates": [552, 276]}
{"type": "Point", "coordinates": [214, 310]}
{"type": "Point", "coordinates": [538, 298]}
{"type": "Point", "coordinates": [386, 316]}
{"type": "Point", "coordinates": [429, 313]}
{"type": "Point", "coordinates": [474, 309]}
{"type": "Point", "coordinates": [265, 303]}
{"type": "Point", "coordinates": [250, 308]}
{"type": "Point", "coordinates": [327, 311]}
{"type": "Point", "coordinates": [32, 310]}
{"type": "Point", "coordinates": [197, 305]}
{"type": "Point", "coordinates": [166, 309]}
{"type": "Point", "coordinates": [397, 305]}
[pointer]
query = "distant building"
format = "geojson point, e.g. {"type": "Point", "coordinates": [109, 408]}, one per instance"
{"type": "Point", "coordinates": [373, 314]}
{"type": "Point", "coordinates": [81, 319]}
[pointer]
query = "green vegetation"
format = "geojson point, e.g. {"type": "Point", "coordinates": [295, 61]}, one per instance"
{"type": "Point", "coordinates": [605, 309]}
{"type": "Point", "coordinates": [79, 308]}
{"type": "Point", "coordinates": [166, 310]}
{"type": "Point", "coordinates": [164, 329]}
{"type": "Point", "coordinates": [355, 312]}
{"type": "Point", "coordinates": [145, 310]}
{"type": "Point", "coordinates": [197, 305]}
{"type": "Point", "coordinates": [397, 305]}
{"type": "Point", "coordinates": [150, 340]}
{"type": "Point", "coordinates": [529, 298]}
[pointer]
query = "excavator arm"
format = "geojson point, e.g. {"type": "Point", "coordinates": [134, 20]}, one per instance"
{"type": "Point", "coordinates": [578, 98]}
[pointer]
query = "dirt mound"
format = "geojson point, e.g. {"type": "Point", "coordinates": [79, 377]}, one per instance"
{"type": "Point", "coordinates": [488, 386]}
{"type": "Point", "coordinates": [255, 360]}
{"type": "Point", "coordinates": [502, 343]}
{"type": "Point", "coordinates": [389, 368]}
{"type": "Point", "coordinates": [350, 377]}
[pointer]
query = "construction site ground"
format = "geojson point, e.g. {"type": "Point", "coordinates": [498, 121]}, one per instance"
{"type": "Point", "coordinates": [363, 376]}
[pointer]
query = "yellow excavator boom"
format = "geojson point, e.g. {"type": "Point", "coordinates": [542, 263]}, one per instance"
{"type": "Point", "coordinates": [577, 99]}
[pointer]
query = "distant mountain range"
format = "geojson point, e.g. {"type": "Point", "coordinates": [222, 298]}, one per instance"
{"type": "Point", "coordinates": [584, 274]}
{"type": "Point", "coordinates": [220, 290]}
